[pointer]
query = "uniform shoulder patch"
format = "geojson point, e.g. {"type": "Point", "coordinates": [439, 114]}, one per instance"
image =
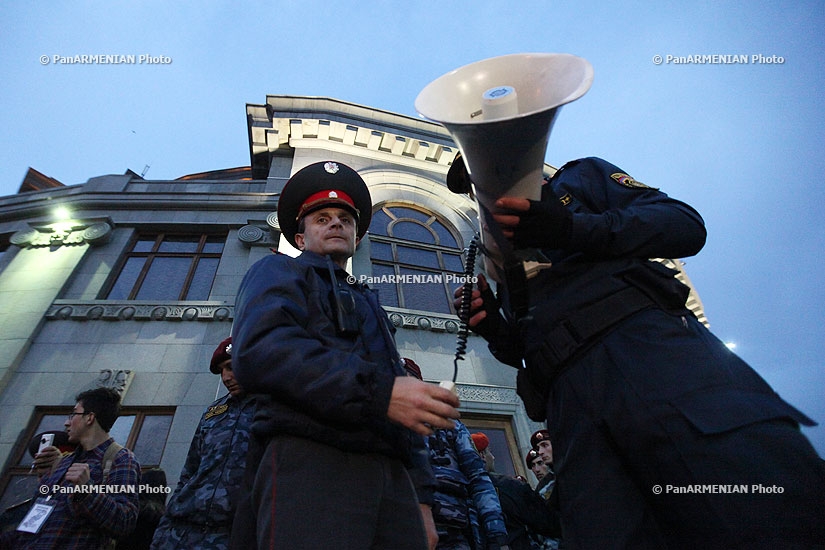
{"type": "Point", "coordinates": [627, 181]}
{"type": "Point", "coordinates": [566, 199]}
{"type": "Point", "coordinates": [215, 410]}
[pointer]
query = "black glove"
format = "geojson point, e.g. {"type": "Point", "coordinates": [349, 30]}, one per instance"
{"type": "Point", "coordinates": [503, 344]}
{"type": "Point", "coordinates": [547, 224]}
{"type": "Point", "coordinates": [489, 327]}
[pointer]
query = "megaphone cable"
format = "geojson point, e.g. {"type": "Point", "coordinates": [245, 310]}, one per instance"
{"type": "Point", "coordinates": [464, 310]}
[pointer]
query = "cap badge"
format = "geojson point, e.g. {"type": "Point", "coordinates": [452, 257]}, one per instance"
{"type": "Point", "coordinates": [228, 349]}
{"type": "Point", "coordinates": [333, 195]}
{"type": "Point", "coordinates": [331, 167]}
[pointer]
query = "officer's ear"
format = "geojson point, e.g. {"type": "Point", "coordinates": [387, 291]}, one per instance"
{"type": "Point", "coordinates": [299, 241]}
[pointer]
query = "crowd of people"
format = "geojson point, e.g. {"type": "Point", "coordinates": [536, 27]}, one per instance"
{"type": "Point", "coordinates": [344, 445]}
{"type": "Point", "coordinates": [127, 509]}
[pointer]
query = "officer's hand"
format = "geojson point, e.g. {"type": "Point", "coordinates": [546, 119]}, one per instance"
{"type": "Point", "coordinates": [421, 406]}
{"type": "Point", "coordinates": [46, 459]}
{"type": "Point", "coordinates": [534, 224]}
{"type": "Point", "coordinates": [484, 315]}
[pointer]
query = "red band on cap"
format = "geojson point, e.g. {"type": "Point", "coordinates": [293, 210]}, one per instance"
{"type": "Point", "coordinates": [330, 196]}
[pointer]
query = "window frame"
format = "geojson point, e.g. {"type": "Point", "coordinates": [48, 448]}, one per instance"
{"type": "Point", "coordinates": [440, 249]}
{"type": "Point", "coordinates": [150, 256]}
{"type": "Point", "coordinates": [483, 422]}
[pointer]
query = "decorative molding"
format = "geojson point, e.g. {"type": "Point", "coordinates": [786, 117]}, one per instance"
{"type": "Point", "coordinates": [272, 222]}
{"type": "Point", "coordinates": [487, 394]}
{"type": "Point", "coordinates": [92, 232]}
{"type": "Point", "coordinates": [118, 380]}
{"type": "Point", "coordinates": [136, 310]}
{"type": "Point", "coordinates": [106, 310]}
{"type": "Point", "coordinates": [253, 235]}
{"type": "Point", "coordinates": [402, 318]}
{"type": "Point", "coordinates": [270, 134]}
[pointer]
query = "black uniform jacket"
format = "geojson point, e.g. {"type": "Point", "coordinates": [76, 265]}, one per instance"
{"type": "Point", "coordinates": [316, 383]}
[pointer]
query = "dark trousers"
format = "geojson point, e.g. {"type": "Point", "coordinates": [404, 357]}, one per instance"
{"type": "Point", "coordinates": [311, 496]}
{"type": "Point", "coordinates": [664, 439]}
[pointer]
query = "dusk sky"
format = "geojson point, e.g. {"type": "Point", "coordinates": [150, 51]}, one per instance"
{"type": "Point", "coordinates": [728, 118]}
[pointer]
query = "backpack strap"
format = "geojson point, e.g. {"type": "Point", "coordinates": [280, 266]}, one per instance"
{"type": "Point", "coordinates": [109, 459]}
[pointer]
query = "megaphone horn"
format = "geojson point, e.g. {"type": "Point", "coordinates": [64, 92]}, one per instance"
{"type": "Point", "coordinates": [500, 112]}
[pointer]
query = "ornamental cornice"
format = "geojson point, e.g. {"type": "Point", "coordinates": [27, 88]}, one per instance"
{"type": "Point", "coordinates": [135, 310]}
{"type": "Point", "coordinates": [278, 134]}
{"type": "Point", "coordinates": [91, 232]}
{"type": "Point", "coordinates": [404, 318]}
{"type": "Point", "coordinates": [487, 394]}
{"type": "Point", "coordinates": [141, 310]}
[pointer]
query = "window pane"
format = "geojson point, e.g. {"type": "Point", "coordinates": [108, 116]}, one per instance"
{"type": "Point", "coordinates": [165, 279]}
{"type": "Point", "coordinates": [424, 296]}
{"type": "Point", "coordinates": [120, 430]}
{"type": "Point", "coordinates": [145, 244]}
{"type": "Point", "coordinates": [202, 281]}
{"type": "Point", "coordinates": [387, 292]}
{"type": "Point", "coordinates": [499, 447]}
{"type": "Point", "coordinates": [180, 243]}
{"type": "Point", "coordinates": [381, 251]}
{"type": "Point", "coordinates": [152, 439]}
{"type": "Point", "coordinates": [444, 236]}
{"type": "Point", "coordinates": [126, 280]}
{"type": "Point", "coordinates": [452, 262]}
{"type": "Point", "coordinates": [401, 212]}
{"type": "Point", "coordinates": [418, 256]}
{"type": "Point", "coordinates": [413, 232]}
{"type": "Point", "coordinates": [214, 244]}
{"type": "Point", "coordinates": [49, 422]}
{"type": "Point", "coordinates": [379, 222]}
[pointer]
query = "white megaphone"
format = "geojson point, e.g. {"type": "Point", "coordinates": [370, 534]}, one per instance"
{"type": "Point", "coordinates": [500, 111]}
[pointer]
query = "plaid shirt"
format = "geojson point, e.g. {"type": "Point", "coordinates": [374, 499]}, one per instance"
{"type": "Point", "coordinates": [88, 520]}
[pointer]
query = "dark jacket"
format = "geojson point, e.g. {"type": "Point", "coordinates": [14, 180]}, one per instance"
{"type": "Point", "coordinates": [526, 513]}
{"type": "Point", "coordinates": [618, 225]}
{"type": "Point", "coordinates": [316, 382]}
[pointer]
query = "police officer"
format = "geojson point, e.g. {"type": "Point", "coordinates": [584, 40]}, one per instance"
{"type": "Point", "coordinates": [654, 421]}
{"type": "Point", "coordinates": [341, 422]}
{"type": "Point", "coordinates": [528, 520]}
{"type": "Point", "coordinates": [542, 446]}
{"type": "Point", "coordinates": [535, 464]}
{"type": "Point", "coordinates": [201, 510]}
{"type": "Point", "coordinates": [466, 508]}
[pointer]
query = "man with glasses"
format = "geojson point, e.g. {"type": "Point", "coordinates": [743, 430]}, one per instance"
{"type": "Point", "coordinates": [90, 497]}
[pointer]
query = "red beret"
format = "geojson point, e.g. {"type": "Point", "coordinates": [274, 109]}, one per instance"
{"type": "Point", "coordinates": [540, 435]}
{"type": "Point", "coordinates": [481, 441]}
{"type": "Point", "coordinates": [221, 354]}
{"type": "Point", "coordinates": [412, 368]}
{"type": "Point", "coordinates": [532, 455]}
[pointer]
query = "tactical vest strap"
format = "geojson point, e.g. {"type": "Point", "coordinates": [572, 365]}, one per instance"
{"type": "Point", "coordinates": [568, 336]}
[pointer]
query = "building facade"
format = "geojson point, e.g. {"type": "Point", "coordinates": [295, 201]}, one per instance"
{"type": "Point", "coordinates": [131, 283]}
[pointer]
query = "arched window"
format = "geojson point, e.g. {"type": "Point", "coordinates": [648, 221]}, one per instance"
{"type": "Point", "coordinates": [416, 259]}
